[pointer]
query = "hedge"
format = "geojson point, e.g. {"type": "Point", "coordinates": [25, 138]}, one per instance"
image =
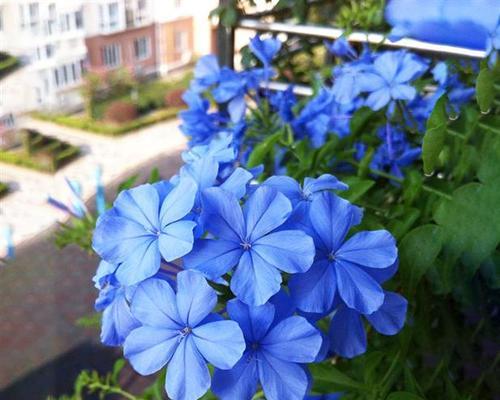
{"type": "Point", "coordinates": [108, 129]}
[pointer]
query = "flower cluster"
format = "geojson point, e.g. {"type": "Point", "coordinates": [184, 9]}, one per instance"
{"type": "Point", "coordinates": [387, 82]}
{"type": "Point", "coordinates": [212, 267]}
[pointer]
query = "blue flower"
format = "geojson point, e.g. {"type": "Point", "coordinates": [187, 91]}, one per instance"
{"type": "Point", "coordinates": [463, 23]}
{"type": "Point", "coordinates": [249, 240]}
{"type": "Point", "coordinates": [220, 148]}
{"type": "Point", "coordinates": [347, 334]}
{"type": "Point", "coordinates": [343, 268]}
{"type": "Point", "coordinates": [314, 119]}
{"type": "Point", "coordinates": [273, 356]}
{"type": "Point", "coordinates": [394, 153]}
{"type": "Point", "coordinates": [178, 329]}
{"type": "Point", "coordinates": [206, 73]}
{"type": "Point", "coordinates": [231, 90]}
{"type": "Point", "coordinates": [346, 83]}
{"type": "Point", "coordinates": [264, 50]}
{"type": "Point", "coordinates": [341, 48]}
{"type": "Point", "coordinates": [113, 300]}
{"type": "Point", "coordinates": [140, 229]}
{"type": "Point", "coordinates": [389, 78]}
{"type": "Point", "coordinates": [283, 102]}
{"type": "Point", "coordinates": [197, 122]}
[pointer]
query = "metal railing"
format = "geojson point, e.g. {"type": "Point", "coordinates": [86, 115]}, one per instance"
{"type": "Point", "coordinates": [226, 43]}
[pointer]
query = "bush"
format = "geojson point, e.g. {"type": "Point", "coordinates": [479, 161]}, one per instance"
{"type": "Point", "coordinates": [173, 98]}
{"type": "Point", "coordinates": [120, 111]}
{"type": "Point", "coordinates": [4, 189]}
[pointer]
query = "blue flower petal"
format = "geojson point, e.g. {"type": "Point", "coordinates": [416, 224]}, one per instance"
{"type": "Point", "coordinates": [236, 108]}
{"type": "Point", "coordinates": [374, 249]}
{"type": "Point", "coordinates": [403, 92]}
{"type": "Point", "coordinates": [255, 280]}
{"type": "Point", "coordinates": [264, 211]}
{"type": "Point", "coordinates": [282, 380]}
{"type": "Point", "coordinates": [254, 321]}
{"type": "Point", "coordinates": [188, 377]}
{"type": "Point", "coordinates": [331, 218]}
{"type": "Point", "coordinates": [195, 298]}
{"type": "Point", "coordinates": [227, 221]}
{"type": "Point", "coordinates": [358, 289]}
{"type": "Point", "coordinates": [294, 340]}
{"type": "Point", "coordinates": [140, 204]}
{"type": "Point", "coordinates": [323, 182]}
{"type": "Point", "coordinates": [347, 334]}
{"type": "Point", "coordinates": [221, 343]}
{"type": "Point", "coordinates": [236, 183]}
{"type": "Point", "coordinates": [142, 264]}
{"type": "Point", "coordinates": [176, 240]}
{"type": "Point", "coordinates": [378, 99]}
{"type": "Point", "coordinates": [203, 171]}
{"type": "Point", "coordinates": [178, 202]}
{"type": "Point", "coordinates": [115, 237]}
{"type": "Point", "coordinates": [286, 185]}
{"type": "Point", "coordinates": [240, 382]}
{"type": "Point", "coordinates": [117, 322]}
{"type": "Point", "coordinates": [154, 304]}
{"type": "Point", "coordinates": [213, 257]}
{"type": "Point", "coordinates": [390, 318]}
{"type": "Point", "coordinates": [314, 290]}
{"type": "Point", "coordinates": [275, 249]}
{"type": "Point", "coordinates": [149, 349]}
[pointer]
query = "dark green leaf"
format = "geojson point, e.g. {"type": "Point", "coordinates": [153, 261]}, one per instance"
{"type": "Point", "coordinates": [127, 183]}
{"type": "Point", "coordinates": [357, 188]}
{"type": "Point", "coordinates": [485, 89]}
{"type": "Point", "coordinates": [260, 151]}
{"type": "Point", "coordinates": [117, 368]}
{"type": "Point", "coordinates": [327, 379]}
{"type": "Point", "coordinates": [403, 396]}
{"type": "Point", "coordinates": [418, 251]}
{"type": "Point", "coordinates": [434, 135]}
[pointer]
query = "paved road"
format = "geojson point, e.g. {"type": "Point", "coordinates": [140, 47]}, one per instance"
{"type": "Point", "coordinates": [26, 209]}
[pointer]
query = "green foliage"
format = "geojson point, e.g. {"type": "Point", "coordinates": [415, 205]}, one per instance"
{"type": "Point", "coordinates": [7, 63]}
{"type": "Point", "coordinates": [76, 231]}
{"type": "Point", "coordinates": [435, 136]}
{"type": "Point", "coordinates": [4, 189]}
{"type": "Point", "coordinates": [40, 152]}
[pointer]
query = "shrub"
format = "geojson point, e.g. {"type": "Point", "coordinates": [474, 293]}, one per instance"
{"type": "Point", "coordinates": [173, 98]}
{"type": "Point", "coordinates": [120, 111]}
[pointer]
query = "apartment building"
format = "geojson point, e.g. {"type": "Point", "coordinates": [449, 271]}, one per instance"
{"type": "Point", "coordinates": [48, 37]}
{"type": "Point", "coordinates": [146, 36]}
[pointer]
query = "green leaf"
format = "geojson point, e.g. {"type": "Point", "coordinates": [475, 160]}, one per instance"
{"type": "Point", "coordinates": [403, 396]}
{"type": "Point", "coordinates": [359, 119]}
{"type": "Point", "coordinates": [418, 251]}
{"type": "Point", "coordinates": [435, 135]}
{"type": "Point", "coordinates": [154, 176]}
{"type": "Point", "coordinates": [117, 368]}
{"type": "Point", "coordinates": [260, 151]}
{"type": "Point", "coordinates": [327, 379]}
{"type": "Point", "coordinates": [489, 159]}
{"type": "Point", "coordinates": [471, 221]}
{"type": "Point", "coordinates": [357, 188]}
{"type": "Point", "coordinates": [127, 183]}
{"type": "Point", "coordinates": [485, 89]}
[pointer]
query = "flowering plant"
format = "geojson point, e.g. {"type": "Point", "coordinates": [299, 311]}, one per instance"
{"type": "Point", "coordinates": [272, 256]}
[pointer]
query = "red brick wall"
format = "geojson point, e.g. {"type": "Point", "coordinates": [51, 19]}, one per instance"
{"type": "Point", "coordinates": [125, 39]}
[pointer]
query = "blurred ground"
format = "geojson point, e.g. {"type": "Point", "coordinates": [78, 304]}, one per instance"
{"type": "Point", "coordinates": [26, 209]}
{"type": "Point", "coordinates": [45, 290]}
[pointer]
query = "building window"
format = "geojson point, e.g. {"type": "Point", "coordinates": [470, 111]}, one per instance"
{"type": "Point", "coordinates": [141, 48]}
{"type": "Point", "coordinates": [49, 50]}
{"type": "Point", "coordinates": [181, 42]}
{"type": "Point", "coordinates": [22, 19]}
{"type": "Point", "coordinates": [34, 14]}
{"type": "Point", "coordinates": [65, 22]}
{"type": "Point", "coordinates": [111, 55]}
{"type": "Point", "coordinates": [56, 78]}
{"type": "Point", "coordinates": [78, 19]}
{"type": "Point", "coordinates": [1, 19]}
{"type": "Point", "coordinates": [113, 15]}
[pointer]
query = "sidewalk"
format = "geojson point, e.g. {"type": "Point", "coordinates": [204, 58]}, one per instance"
{"type": "Point", "coordinates": [26, 209]}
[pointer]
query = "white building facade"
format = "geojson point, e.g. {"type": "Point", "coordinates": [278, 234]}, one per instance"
{"type": "Point", "coordinates": [48, 37]}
